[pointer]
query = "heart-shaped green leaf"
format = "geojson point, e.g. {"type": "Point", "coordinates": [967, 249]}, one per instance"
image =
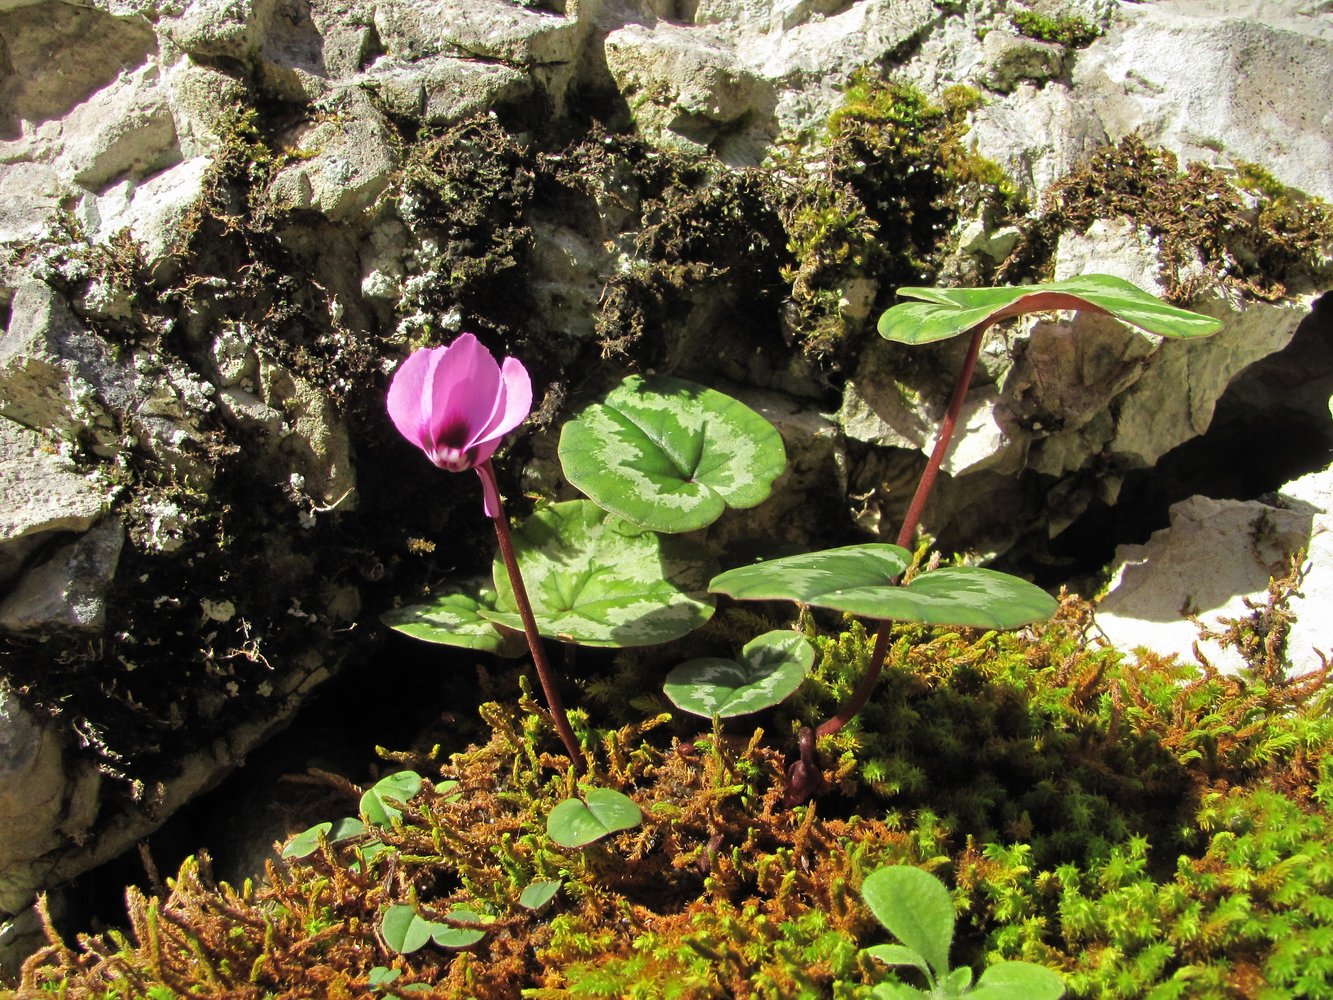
{"type": "Point", "coordinates": [859, 579]}
{"type": "Point", "coordinates": [601, 811]}
{"type": "Point", "coordinates": [453, 619]}
{"type": "Point", "coordinates": [915, 907]}
{"type": "Point", "coordinates": [597, 580]}
{"type": "Point", "coordinates": [537, 894]}
{"type": "Point", "coordinates": [380, 802]}
{"type": "Point", "coordinates": [1018, 981]}
{"type": "Point", "coordinates": [671, 455]}
{"type": "Point", "coordinates": [405, 931]}
{"type": "Point", "coordinates": [771, 667]}
{"type": "Point", "coordinates": [947, 312]}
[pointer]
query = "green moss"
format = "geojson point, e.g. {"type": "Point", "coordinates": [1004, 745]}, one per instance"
{"type": "Point", "coordinates": [1148, 828]}
{"type": "Point", "coordinates": [1065, 29]}
{"type": "Point", "coordinates": [891, 176]}
{"type": "Point", "coordinates": [1251, 234]}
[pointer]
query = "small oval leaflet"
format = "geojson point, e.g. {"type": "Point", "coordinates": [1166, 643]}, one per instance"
{"type": "Point", "coordinates": [306, 842]}
{"type": "Point", "coordinates": [770, 668]}
{"type": "Point", "coordinates": [537, 894]}
{"type": "Point", "coordinates": [948, 312]}
{"type": "Point", "coordinates": [671, 455]}
{"type": "Point", "coordinates": [601, 811]}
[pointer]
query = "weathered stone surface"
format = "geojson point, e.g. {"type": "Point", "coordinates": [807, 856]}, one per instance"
{"type": "Point", "coordinates": [52, 369]}
{"type": "Point", "coordinates": [1216, 555]}
{"type": "Point", "coordinates": [441, 90]}
{"type": "Point", "coordinates": [348, 155]}
{"type": "Point", "coordinates": [1010, 59]}
{"type": "Point", "coordinates": [480, 29]}
{"type": "Point", "coordinates": [1246, 80]}
{"type": "Point", "coordinates": [67, 591]}
{"type": "Point", "coordinates": [683, 87]}
{"type": "Point", "coordinates": [32, 786]}
{"type": "Point", "coordinates": [40, 493]}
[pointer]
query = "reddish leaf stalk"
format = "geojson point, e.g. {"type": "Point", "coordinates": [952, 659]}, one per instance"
{"type": "Point", "coordinates": [544, 673]}
{"type": "Point", "coordinates": [803, 780]}
{"type": "Point", "coordinates": [942, 440]}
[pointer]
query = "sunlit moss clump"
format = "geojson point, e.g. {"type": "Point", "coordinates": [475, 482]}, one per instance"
{"type": "Point", "coordinates": [1145, 827]}
{"type": "Point", "coordinates": [884, 187]}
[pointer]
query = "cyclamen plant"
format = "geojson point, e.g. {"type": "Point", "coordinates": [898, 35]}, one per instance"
{"type": "Point", "coordinates": [659, 457]}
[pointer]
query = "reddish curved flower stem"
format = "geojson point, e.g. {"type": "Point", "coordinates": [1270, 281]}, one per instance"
{"type": "Point", "coordinates": [544, 674]}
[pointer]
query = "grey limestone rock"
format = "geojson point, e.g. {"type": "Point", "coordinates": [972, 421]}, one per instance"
{"type": "Point", "coordinates": [67, 591]}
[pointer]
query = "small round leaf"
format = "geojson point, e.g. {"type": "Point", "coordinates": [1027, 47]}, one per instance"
{"type": "Point", "coordinates": [403, 930]}
{"type": "Point", "coordinates": [771, 667]}
{"type": "Point", "coordinates": [601, 811]}
{"type": "Point", "coordinates": [306, 842]}
{"type": "Point", "coordinates": [380, 802]}
{"type": "Point", "coordinates": [448, 936]}
{"type": "Point", "coordinates": [671, 455]}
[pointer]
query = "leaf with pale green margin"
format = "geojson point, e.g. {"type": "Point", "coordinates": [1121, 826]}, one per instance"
{"type": "Point", "coordinates": [601, 811]}
{"type": "Point", "coordinates": [597, 580]}
{"type": "Point", "coordinates": [453, 619]}
{"type": "Point", "coordinates": [671, 455]}
{"type": "Point", "coordinates": [948, 312]}
{"type": "Point", "coordinates": [537, 894]}
{"type": "Point", "coordinates": [897, 954]}
{"type": "Point", "coordinates": [771, 667]}
{"type": "Point", "coordinates": [915, 908]}
{"type": "Point", "coordinates": [1019, 981]}
{"type": "Point", "coordinates": [380, 802]}
{"type": "Point", "coordinates": [860, 580]}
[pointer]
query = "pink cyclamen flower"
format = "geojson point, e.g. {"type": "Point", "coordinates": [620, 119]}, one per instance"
{"type": "Point", "coordinates": [456, 404]}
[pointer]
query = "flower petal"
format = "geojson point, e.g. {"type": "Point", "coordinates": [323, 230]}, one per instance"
{"type": "Point", "coordinates": [511, 408]}
{"type": "Point", "coordinates": [462, 392]}
{"type": "Point", "coordinates": [408, 393]}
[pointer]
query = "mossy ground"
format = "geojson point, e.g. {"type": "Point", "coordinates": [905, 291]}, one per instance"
{"type": "Point", "coordinates": [1147, 827]}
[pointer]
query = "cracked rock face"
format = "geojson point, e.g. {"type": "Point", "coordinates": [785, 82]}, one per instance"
{"type": "Point", "coordinates": [226, 220]}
